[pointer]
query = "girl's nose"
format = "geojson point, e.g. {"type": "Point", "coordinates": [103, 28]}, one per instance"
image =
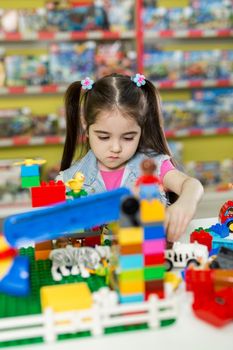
{"type": "Point", "coordinates": [116, 147]}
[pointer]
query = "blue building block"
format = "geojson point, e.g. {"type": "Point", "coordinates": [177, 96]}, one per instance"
{"type": "Point", "coordinates": [218, 242]}
{"type": "Point", "coordinates": [221, 229]}
{"type": "Point", "coordinates": [16, 282]}
{"type": "Point", "coordinates": [132, 298]}
{"type": "Point", "coordinates": [61, 219]}
{"type": "Point", "coordinates": [30, 170]}
{"type": "Point", "coordinates": [153, 232]}
{"type": "Point", "coordinates": [132, 261]}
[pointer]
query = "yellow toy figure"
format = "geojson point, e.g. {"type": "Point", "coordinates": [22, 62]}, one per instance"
{"type": "Point", "coordinates": [76, 184]}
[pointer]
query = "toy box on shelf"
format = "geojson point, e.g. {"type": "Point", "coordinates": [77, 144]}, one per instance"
{"type": "Point", "coordinates": [197, 15]}
{"type": "Point", "coordinates": [21, 122]}
{"type": "Point", "coordinates": [70, 62]}
{"type": "Point", "coordinates": [65, 16]}
{"type": "Point", "coordinates": [26, 70]}
{"type": "Point", "coordinates": [219, 102]}
{"type": "Point", "coordinates": [117, 57]}
{"type": "Point", "coordinates": [187, 65]}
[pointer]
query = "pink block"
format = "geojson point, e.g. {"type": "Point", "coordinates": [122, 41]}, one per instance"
{"type": "Point", "coordinates": [154, 246]}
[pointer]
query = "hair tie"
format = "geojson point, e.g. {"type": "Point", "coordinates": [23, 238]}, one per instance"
{"type": "Point", "coordinates": [87, 83]}
{"type": "Point", "coordinates": [139, 79]}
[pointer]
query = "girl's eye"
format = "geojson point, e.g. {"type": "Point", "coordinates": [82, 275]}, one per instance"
{"type": "Point", "coordinates": [128, 138]}
{"type": "Point", "coordinates": [103, 138]}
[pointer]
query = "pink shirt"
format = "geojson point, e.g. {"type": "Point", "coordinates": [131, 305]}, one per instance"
{"type": "Point", "coordinates": [112, 179]}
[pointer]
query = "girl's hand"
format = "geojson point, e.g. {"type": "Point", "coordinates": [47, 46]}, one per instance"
{"type": "Point", "coordinates": [177, 218]}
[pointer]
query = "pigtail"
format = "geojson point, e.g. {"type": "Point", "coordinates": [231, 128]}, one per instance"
{"type": "Point", "coordinates": [154, 131]}
{"type": "Point", "coordinates": [73, 123]}
{"type": "Point", "coordinates": [153, 136]}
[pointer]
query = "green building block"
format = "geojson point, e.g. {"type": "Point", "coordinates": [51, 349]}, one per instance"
{"type": "Point", "coordinates": [30, 181]}
{"type": "Point", "coordinates": [154, 272]}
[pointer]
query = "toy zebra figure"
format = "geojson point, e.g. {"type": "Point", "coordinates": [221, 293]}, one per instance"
{"type": "Point", "coordinates": [74, 261]}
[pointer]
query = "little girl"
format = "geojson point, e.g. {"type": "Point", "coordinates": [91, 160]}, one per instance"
{"type": "Point", "coordinates": [120, 118]}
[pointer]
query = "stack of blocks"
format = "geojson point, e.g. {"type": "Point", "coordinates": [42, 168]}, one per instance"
{"type": "Point", "coordinates": [141, 267]}
{"type": "Point", "coordinates": [30, 175]}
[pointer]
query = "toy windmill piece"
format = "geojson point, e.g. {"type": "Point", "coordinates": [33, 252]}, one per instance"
{"type": "Point", "coordinates": [30, 174]}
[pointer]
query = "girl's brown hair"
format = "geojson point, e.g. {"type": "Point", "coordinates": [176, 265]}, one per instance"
{"type": "Point", "coordinates": [108, 93]}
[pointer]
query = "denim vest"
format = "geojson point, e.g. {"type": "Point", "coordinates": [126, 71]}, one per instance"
{"type": "Point", "coordinates": [93, 179]}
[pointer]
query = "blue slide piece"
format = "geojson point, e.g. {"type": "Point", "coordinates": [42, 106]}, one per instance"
{"type": "Point", "coordinates": [61, 219]}
{"type": "Point", "coordinates": [16, 282]}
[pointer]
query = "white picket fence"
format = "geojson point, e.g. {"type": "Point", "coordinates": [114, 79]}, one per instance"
{"type": "Point", "coordinates": [102, 315]}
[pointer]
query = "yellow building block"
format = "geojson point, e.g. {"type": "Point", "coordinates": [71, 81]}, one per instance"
{"type": "Point", "coordinates": [151, 211]}
{"type": "Point", "coordinates": [66, 297]}
{"type": "Point", "coordinates": [131, 287]}
{"type": "Point", "coordinates": [130, 235]}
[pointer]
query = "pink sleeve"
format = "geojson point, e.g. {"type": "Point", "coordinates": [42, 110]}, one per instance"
{"type": "Point", "coordinates": [165, 167]}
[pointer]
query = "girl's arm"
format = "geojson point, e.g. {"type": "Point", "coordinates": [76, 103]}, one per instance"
{"type": "Point", "coordinates": [179, 214]}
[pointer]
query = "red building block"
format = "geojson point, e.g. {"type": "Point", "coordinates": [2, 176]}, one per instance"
{"type": "Point", "coordinates": [48, 193]}
{"type": "Point", "coordinates": [202, 237]}
{"type": "Point", "coordinates": [199, 280]}
{"type": "Point", "coordinates": [217, 310]}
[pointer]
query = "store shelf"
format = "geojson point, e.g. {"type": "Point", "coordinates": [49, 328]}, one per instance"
{"type": "Point", "coordinates": [54, 140]}
{"type": "Point", "coordinates": [31, 141]}
{"type": "Point", "coordinates": [189, 33]}
{"type": "Point", "coordinates": [66, 36]}
{"type": "Point", "coordinates": [162, 85]}
{"type": "Point", "coordinates": [31, 90]}
{"type": "Point", "coordinates": [195, 83]}
{"type": "Point", "coordinates": [199, 132]}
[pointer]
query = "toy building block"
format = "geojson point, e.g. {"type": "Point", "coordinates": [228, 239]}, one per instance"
{"type": "Point", "coordinates": [220, 229]}
{"type": "Point", "coordinates": [223, 279]}
{"type": "Point", "coordinates": [30, 181]}
{"type": "Point", "coordinates": [217, 311]}
{"type": "Point", "coordinates": [42, 250]}
{"type": "Point", "coordinates": [30, 170]}
{"type": "Point", "coordinates": [202, 237]}
{"type": "Point", "coordinates": [66, 297]}
{"type": "Point", "coordinates": [64, 217]}
{"type": "Point", "coordinates": [151, 211]}
{"type": "Point", "coordinates": [130, 236]}
{"type": "Point", "coordinates": [47, 194]}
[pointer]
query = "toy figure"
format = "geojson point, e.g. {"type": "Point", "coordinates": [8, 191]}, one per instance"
{"type": "Point", "coordinates": [76, 185]}
{"type": "Point", "coordinates": [149, 184]}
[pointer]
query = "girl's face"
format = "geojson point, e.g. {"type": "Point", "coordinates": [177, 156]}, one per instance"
{"type": "Point", "coordinates": [113, 139]}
